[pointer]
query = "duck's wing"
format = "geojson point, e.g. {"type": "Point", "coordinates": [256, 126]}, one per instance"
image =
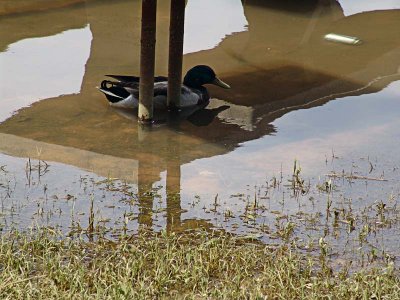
{"type": "Point", "coordinates": [125, 78]}
{"type": "Point", "coordinates": [161, 88]}
{"type": "Point", "coordinates": [130, 87]}
{"type": "Point", "coordinates": [160, 79]}
{"type": "Point", "coordinates": [114, 92]}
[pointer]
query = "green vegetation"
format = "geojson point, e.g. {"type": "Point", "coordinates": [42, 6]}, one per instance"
{"type": "Point", "coordinates": [323, 240]}
{"type": "Point", "coordinates": [192, 265]}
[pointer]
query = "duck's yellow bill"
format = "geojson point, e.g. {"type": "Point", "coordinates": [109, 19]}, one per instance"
{"type": "Point", "coordinates": [220, 83]}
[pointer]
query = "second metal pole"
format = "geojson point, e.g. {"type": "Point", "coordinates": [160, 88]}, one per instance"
{"type": "Point", "coordinates": [176, 33]}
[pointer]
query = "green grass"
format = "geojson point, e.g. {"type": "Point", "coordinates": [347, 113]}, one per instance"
{"type": "Point", "coordinates": [197, 265]}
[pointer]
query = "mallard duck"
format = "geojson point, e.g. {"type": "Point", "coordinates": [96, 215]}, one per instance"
{"type": "Point", "coordinates": [125, 91]}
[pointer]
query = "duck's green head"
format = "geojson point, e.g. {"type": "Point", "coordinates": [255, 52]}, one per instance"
{"type": "Point", "coordinates": [201, 74]}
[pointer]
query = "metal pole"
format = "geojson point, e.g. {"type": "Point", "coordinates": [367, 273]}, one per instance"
{"type": "Point", "coordinates": [147, 61]}
{"type": "Point", "coordinates": [176, 32]}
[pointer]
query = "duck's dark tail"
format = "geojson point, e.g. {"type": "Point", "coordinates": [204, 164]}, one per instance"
{"type": "Point", "coordinates": [112, 92]}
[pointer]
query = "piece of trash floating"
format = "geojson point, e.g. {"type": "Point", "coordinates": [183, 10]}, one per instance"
{"type": "Point", "coordinates": [344, 39]}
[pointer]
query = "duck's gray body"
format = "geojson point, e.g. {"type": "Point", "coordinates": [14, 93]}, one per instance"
{"type": "Point", "coordinates": [124, 92]}
{"type": "Point", "coordinates": [189, 96]}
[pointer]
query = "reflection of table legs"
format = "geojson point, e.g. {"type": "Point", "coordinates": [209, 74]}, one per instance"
{"type": "Point", "coordinates": [148, 171]}
{"type": "Point", "coordinates": [145, 197]}
{"type": "Point", "coordinates": [173, 195]}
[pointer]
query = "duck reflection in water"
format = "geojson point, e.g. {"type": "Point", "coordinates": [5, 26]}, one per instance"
{"type": "Point", "coordinates": [197, 115]}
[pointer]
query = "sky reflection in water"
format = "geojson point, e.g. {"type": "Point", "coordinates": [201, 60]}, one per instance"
{"type": "Point", "coordinates": [351, 7]}
{"type": "Point", "coordinates": [35, 73]}
{"type": "Point", "coordinates": [205, 28]}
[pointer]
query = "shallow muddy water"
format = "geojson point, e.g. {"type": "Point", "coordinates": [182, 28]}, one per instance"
{"type": "Point", "coordinates": [303, 147]}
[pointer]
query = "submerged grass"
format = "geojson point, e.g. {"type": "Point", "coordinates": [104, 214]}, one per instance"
{"type": "Point", "coordinates": [193, 265]}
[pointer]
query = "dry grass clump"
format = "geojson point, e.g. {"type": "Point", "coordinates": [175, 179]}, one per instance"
{"type": "Point", "coordinates": [196, 265]}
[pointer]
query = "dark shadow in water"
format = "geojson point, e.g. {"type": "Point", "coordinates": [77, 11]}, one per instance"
{"type": "Point", "coordinates": [205, 116]}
